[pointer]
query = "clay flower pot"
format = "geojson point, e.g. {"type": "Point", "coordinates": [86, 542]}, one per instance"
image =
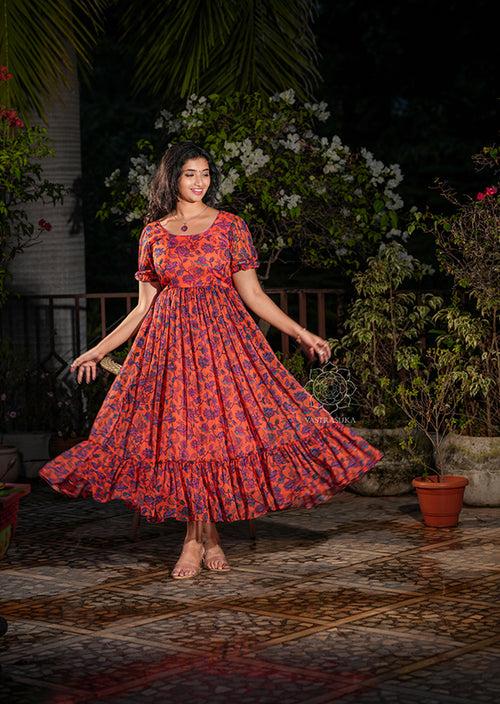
{"type": "Point", "coordinates": [440, 499]}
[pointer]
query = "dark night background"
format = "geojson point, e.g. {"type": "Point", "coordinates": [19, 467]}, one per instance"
{"type": "Point", "coordinates": [414, 82]}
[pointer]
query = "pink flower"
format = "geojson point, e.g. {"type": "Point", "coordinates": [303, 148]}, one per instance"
{"type": "Point", "coordinates": [11, 116]}
{"type": "Point", "coordinates": [480, 196]}
{"type": "Point", "coordinates": [44, 225]}
{"type": "Point", "coordinates": [5, 75]}
{"type": "Point", "coordinates": [491, 190]}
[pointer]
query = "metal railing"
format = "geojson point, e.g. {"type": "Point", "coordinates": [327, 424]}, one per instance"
{"type": "Point", "coordinates": [56, 328]}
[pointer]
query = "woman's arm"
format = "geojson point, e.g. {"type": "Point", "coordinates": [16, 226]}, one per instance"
{"type": "Point", "coordinates": [87, 362]}
{"type": "Point", "coordinates": [252, 294]}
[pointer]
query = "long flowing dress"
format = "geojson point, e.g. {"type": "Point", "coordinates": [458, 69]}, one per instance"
{"type": "Point", "coordinates": [203, 422]}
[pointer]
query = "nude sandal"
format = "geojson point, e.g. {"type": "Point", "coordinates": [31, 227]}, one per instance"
{"type": "Point", "coordinates": [187, 564]}
{"type": "Point", "coordinates": [226, 568]}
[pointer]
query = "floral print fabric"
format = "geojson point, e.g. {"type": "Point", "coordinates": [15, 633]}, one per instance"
{"type": "Point", "coordinates": [203, 422]}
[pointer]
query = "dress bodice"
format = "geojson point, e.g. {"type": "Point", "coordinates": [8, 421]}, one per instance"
{"type": "Point", "coordinates": [208, 258]}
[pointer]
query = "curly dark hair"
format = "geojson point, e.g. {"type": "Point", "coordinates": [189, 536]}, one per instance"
{"type": "Point", "coordinates": [164, 189]}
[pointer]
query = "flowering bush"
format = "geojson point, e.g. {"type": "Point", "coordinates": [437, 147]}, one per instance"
{"type": "Point", "coordinates": [21, 181]}
{"type": "Point", "coordinates": [468, 250]}
{"type": "Point", "coordinates": [294, 187]}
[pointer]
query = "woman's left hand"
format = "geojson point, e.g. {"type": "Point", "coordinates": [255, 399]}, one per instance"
{"type": "Point", "coordinates": [314, 345]}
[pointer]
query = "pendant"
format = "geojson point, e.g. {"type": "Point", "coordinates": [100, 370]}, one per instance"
{"type": "Point", "coordinates": [184, 228]}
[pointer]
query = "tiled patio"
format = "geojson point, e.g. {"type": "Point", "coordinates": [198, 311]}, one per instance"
{"type": "Point", "coordinates": [353, 602]}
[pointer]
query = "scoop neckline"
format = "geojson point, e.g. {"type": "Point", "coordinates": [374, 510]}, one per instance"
{"type": "Point", "coordinates": [196, 234]}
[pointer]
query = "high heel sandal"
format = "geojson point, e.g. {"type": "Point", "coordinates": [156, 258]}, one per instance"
{"type": "Point", "coordinates": [197, 567]}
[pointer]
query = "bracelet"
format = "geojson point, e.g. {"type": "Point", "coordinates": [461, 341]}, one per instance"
{"type": "Point", "coordinates": [298, 336]}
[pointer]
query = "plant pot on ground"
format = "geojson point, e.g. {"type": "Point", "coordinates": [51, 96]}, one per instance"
{"type": "Point", "coordinates": [435, 387]}
{"type": "Point", "coordinates": [468, 250]}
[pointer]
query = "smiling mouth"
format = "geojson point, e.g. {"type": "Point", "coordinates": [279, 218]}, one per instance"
{"type": "Point", "coordinates": [197, 191]}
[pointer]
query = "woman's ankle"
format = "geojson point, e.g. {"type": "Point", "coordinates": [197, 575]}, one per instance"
{"type": "Point", "coordinates": [194, 531]}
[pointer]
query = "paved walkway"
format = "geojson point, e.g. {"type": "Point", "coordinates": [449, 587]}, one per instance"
{"type": "Point", "coordinates": [353, 602]}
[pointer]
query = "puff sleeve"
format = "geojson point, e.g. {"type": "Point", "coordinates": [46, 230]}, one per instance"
{"type": "Point", "coordinates": [242, 249]}
{"type": "Point", "coordinates": [146, 270]}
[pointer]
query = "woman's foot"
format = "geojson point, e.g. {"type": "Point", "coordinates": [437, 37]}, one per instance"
{"type": "Point", "coordinates": [214, 558]}
{"type": "Point", "coordinates": [189, 563]}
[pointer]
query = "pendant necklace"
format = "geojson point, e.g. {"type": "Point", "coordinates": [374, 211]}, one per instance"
{"type": "Point", "coordinates": [184, 227]}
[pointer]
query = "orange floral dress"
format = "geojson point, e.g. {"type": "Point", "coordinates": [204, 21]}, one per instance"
{"type": "Point", "coordinates": [203, 422]}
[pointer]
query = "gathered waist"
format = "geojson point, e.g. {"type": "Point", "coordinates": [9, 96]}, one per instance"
{"type": "Point", "coordinates": [225, 287]}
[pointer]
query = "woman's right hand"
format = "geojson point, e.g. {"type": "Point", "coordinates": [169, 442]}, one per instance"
{"type": "Point", "coordinates": [314, 345]}
{"type": "Point", "coordinates": [86, 364]}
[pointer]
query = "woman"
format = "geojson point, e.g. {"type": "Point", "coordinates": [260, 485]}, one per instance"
{"type": "Point", "coordinates": [203, 423]}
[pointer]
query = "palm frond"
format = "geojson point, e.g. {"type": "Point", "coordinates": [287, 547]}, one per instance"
{"type": "Point", "coordinates": [174, 41]}
{"type": "Point", "coordinates": [39, 40]}
{"type": "Point", "coordinates": [222, 46]}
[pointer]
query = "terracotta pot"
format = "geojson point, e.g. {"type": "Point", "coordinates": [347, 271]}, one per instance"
{"type": "Point", "coordinates": [440, 499]}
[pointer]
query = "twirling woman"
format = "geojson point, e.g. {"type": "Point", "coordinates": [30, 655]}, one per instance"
{"type": "Point", "coordinates": [203, 423]}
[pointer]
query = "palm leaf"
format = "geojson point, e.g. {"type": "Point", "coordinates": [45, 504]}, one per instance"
{"type": "Point", "coordinates": [174, 40]}
{"type": "Point", "coordinates": [222, 46]}
{"type": "Point", "coordinates": [39, 40]}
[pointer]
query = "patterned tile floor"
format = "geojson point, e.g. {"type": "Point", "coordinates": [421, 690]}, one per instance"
{"type": "Point", "coordinates": [354, 601]}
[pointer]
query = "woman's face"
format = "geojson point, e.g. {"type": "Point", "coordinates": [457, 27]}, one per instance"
{"type": "Point", "coordinates": [194, 180]}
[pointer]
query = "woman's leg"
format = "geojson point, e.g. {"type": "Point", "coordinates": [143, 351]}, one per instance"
{"type": "Point", "coordinates": [192, 549]}
{"type": "Point", "coordinates": [214, 555]}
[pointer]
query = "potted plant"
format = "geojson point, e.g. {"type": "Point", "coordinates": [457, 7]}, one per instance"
{"type": "Point", "coordinates": [437, 383]}
{"type": "Point", "coordinates": [468, 250]}
{"type": "Point", "coordinates": [383, 317]}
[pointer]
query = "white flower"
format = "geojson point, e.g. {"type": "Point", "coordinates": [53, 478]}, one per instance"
{"type": "Point", "coordinates": [134, 215]}
{"type": "Point", "coordinates": [251, 159]}
{"type": "Point", "coordinates": [166, 121]}
{"type": "Point", "coordinates": [287, 96]}
{"type": "Point", "coordinates": [335, 155]}
{"type": "Point", "coordinates": [394, 201]}
{"type": "Point", "coordinates": [292, 142]}
{"type": "Point", "coordinates": [140, 174]}
{"type": "Point", "coordinates": [318, 110]}
{"type": "Point", "coordinates": [394, 232]}
{"type": "Point", "coordinates": [108, 181]}
{"type": "Point", "coordinates": [195, 107]}
{"type": "Point", "coordinates": [287, 202]}
{"type": "Point", "coordinates": [229, 182]}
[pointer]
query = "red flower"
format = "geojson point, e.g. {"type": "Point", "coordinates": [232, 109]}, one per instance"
{"type": "Point", "coordinates": [480, 196]}
{"type": "Point", "coordinates": [491, 190]}
{"type": "Point", "coordinates": [4, 74]}
{"type": "Point", "coordinates": [44, 225]}
{"type": "Point", "coordinates": [11, 116]}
